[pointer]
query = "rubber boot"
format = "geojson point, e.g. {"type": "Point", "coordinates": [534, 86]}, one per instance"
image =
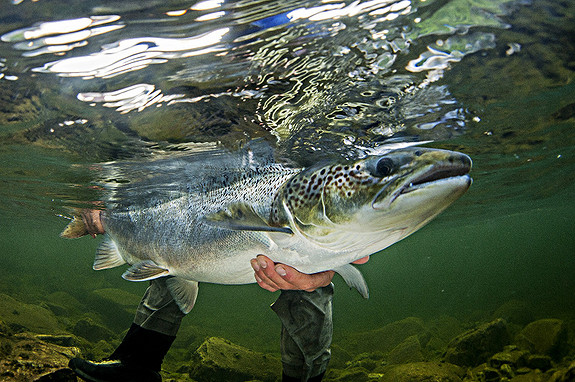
{"type": "Point", "coordinates": [138, 359]}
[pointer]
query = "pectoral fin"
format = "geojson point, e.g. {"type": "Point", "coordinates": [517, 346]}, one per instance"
{"type": "Point", "coordinates": [108, 255]}
{"type": "Point", "coordinates": [242, 217]}
{"type": "Point", "coordinates": [353, 277]}
{"type": "Point", "coordinates": [184, 292]}
{"type": "Point", "coordinates": [144, 270]}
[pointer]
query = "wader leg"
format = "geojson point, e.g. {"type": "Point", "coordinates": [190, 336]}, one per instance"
{"type": "Point", "coordinates": [307, 330]}
{"type": "Point", "coordinates": [158, 311]}
{"type": "Point", "coordinates": [155, 326]}
{"type": "Point", "coordinates": [139, 357]}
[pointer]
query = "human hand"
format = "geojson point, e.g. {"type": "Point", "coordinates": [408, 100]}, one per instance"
{"type": "Point", "coordinates": [273, 277]}
{"type": "Point", "coordinates": [92, 221]}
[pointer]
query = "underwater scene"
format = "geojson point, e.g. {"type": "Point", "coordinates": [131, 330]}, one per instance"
{"type": "Point", "coordinates": [484, 292]}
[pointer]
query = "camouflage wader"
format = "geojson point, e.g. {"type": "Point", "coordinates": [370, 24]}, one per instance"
{"type": "Point", "coordinates": [306, 319]}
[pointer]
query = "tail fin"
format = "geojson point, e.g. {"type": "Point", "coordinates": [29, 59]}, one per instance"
{"type": "Point", "coordinates": [75, 229]}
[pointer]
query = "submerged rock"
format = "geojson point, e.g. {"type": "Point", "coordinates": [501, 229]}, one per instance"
{"type": "Point", "coordinates": [565, 375]}
{"type": "Point", "coordinates": [367, 361]}
{"type": "Point", "coordinates": [483, 373]}
{"type": "Point", "coordinates": [421, 372]}
{"type": "Point", "coordinates": [91, 330]}
{"type": "Point", "coordinates": [27, 317]}
{"type": "Point", "coordinates": [63, 304]}
{"type": "Point", "coordinates": [387, 337]}
{"type": "Point", "coordinates": [352, 374]}
{"type": "Point", "coordinates": [445, 328]}
{"type": "Point", "coordinates": [61, 375]}
{"type": "Point", "coordinates": [115, 306]}
{"type": "Point", "coordinates": [27, 358]}
{"type": "Point", "coordinates": [538, 361]}
{"type": "Point", "coordinates": [220, 360]}
{"type": "Point", "coordinates": [516, 312]}
{"type": "Point", "coordinates": [531, 376]}
{"type": "Point", "coordinates": [120, 298]}
{"type": "Point", "coordinates": [547, 336]}
{"type": "Point", "coordinates": [509, 356]}
{"type": "Point", "coordinates": [477, 345]}
{"type": "Point", "coordinates": [407, 351]}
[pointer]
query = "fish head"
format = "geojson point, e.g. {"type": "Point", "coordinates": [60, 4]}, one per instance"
{"type": "Point", "coordinates": [368, 204]}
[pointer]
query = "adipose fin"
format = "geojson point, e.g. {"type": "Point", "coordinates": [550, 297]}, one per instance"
{"type": "Point", "coordinates": [108, 255]}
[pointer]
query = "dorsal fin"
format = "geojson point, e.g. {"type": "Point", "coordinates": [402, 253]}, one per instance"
{"type": "Point", "coordinates": [242, 217]}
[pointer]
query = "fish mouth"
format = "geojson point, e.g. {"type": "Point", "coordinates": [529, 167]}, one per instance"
{"type": "Point", "coordinates": [427, 174]}
{"type": "Point", "coordinates": [433, 175]}
{"type": "Point", "coordinates": [453, 172]}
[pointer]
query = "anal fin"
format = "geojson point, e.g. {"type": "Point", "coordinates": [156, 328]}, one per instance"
{"type": "Point", "coordinates": [184, 292]}
{"type": "Point", "coordinates": [353, 277]}
{"type": "Point", "coordinates": [144, 271]}
{"type": "Point", "coordinates": [107, 255]}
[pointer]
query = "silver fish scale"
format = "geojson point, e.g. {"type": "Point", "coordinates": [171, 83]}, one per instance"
{"type": "Point", "coordinates": [174, 234]}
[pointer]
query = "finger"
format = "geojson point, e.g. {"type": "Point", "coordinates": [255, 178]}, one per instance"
{"type": "Point", "coordinates": [92, 221]}
{"type": "Point", "coordinates": [303, 281]}
{"type": "Point", "coordinates": [363, 260]}
{"type": "Point", "coordinates": [259, 265]}
{"type": "Point", "coordinates": [270, 275]}
{"type": "Point", "coordinates": [265, 285]}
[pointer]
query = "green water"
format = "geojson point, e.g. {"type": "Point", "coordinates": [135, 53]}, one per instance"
{"type": "Point", "coordinates": [510, 238]}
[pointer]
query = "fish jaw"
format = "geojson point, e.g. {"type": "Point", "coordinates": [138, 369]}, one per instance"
{"type": "Point", "coordinates": [445, 172]}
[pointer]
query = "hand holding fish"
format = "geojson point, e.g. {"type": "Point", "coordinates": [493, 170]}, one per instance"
{"type": "Point", "coordinates": [273, 277]}
{"type": "Point", "coordinates": [93, 222]}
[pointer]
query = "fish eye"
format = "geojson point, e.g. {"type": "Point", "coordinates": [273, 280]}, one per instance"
{"type": "Point", "coordinates": [384, 167]}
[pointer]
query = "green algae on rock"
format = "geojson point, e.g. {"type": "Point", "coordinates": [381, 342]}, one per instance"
{"type": "Point", "coordinates": [546, 336]}
{"type": "Point", "coordinates": [407, 351]}
{"type": "Point", "coordinates": [475, 346]}
{"type": "Point", "coordinates": [421, 372]}
{"type": "Point", "coordinates": [387, 337]}
{"type": "Point", "coordinates": [26, 357]}
{"type": "Point", "coordinates": [22, 316]}
{"type": "Point", "coordinates": [218, 359]}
